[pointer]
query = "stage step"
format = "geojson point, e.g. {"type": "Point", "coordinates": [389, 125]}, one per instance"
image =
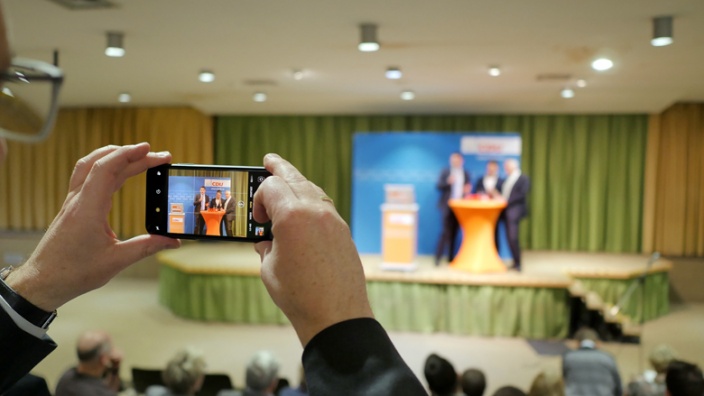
{"type": "Point", "coordinates": [589, 309]}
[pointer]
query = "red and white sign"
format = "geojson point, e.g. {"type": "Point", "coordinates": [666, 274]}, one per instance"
{"type": "Point", "coordinates": [217, 183]}
{"type": "Point", "coordinates": [491, 145]}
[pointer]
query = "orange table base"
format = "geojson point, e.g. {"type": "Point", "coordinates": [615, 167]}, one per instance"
{"type": "Point", "coordinates": [212, 222]}
{"type": "Point", "coordinates": [478, 221]}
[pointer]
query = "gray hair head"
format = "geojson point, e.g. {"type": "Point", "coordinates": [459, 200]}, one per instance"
{"type": "Point", "coordinates": [184, 370]}
{"type": "Point", "coordinates": [262, 371]}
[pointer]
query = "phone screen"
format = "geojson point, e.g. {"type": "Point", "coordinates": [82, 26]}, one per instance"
{"type": "Point", "coordinates": [204, 202]}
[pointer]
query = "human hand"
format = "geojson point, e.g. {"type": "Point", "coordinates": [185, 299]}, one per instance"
{"type": "Point", "coordinates": [451, 179]}
{"type": "Point", "coordinates": [311, 268]}
{"type": "Point", "coordinates": [80, 251]}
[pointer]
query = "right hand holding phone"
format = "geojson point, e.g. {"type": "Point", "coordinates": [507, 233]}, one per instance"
{"type": "Point", "coordinates": [311, 269]}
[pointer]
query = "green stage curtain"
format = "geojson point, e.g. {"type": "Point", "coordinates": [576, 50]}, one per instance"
{"type": "Point", "coordinates": [656, 297]}
{"type": "Point", "coordinates": [587, 170]}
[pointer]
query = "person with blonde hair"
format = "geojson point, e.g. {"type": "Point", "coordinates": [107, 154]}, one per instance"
{"type": "Point", "coordinates": [547, 383]}
{"type": "Point", "coordinates": [652, 383]}
{"type": "Point", "coordinates": [183, 375]}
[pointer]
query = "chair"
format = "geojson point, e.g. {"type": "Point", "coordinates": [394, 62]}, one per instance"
{"type": "Point", "coordinates": [214, 383]}
{"type": "Point", "coordinates": [143, 378]}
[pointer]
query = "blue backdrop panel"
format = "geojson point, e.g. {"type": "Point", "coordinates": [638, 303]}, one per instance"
{"type": "Point", "coordinates": [409, 158]}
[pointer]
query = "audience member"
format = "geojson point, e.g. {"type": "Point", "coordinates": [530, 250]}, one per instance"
{"type": "Point", "coordinates": [98, 370]}
{"type": "Point", "coordinates": [652, 383]}
{"type": "Point", "coordinates": [684, 379]}
{"type": "Point", "coordinates": [441, 376]}
{"type": "Point", "coordinates": [29, 385]}
{"type": "Point", "coordinates": [261, 378]}
{"type": "Point", "coordinates": [588, 371]}
{"type": "Point", "coordinates": [302, 389]}
{"type": "Point", "coordinates": [547, 383]}
{"type": "Point", "coordinates": [509, 391]}
{"type": "Point", "coordinates": [473, 382]}
{"type": "Point", "coordinates": [183, 375]}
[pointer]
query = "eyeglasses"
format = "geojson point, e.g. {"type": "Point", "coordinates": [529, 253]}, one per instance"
{"type": "Point", "coordinates": [29, 100]}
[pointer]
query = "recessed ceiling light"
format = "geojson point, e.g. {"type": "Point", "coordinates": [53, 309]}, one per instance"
{"type": "Point", "coordinates": [259, 97]}
{"type": "Point", "coordinates": [298, 74]}
{"type": "Point", "coordinates": [206, 76]}
{"type": "Point", "coordinates": [602, 64]}
{"type": "Point", "coordinates": [115, 48]}
{"type": "Point", "coordinates": [8, 92]}
{"type": "Point", "coordinates": [662, 31]}
{"type": "Point", "coordinates": [393, 73]}
{"type": "Point", "coordinates": [494, 71]}
{"type": "Point", "coordinates": [124, 97]}
{"type": "Point", "coordinates": [581, 83]}
{"type": "Point", "coordinates": [408, 95]}
{"type": "Point", "coordinates": [368, 41]}
{"type": "Point", "coordinates": [567, 93]}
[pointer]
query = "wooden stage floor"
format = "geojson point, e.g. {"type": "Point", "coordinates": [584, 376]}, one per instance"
{"type": "Point", "coordinates": [540, 268]}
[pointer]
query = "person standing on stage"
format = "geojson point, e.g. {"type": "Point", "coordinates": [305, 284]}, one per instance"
{"type": "Point", "coordinates": [515, 191]}
{"type": "Point", "coordinates": [490, 183]}
{"type": "Point", "coordinates": [200, 202]}
{"type": "Point", "coordinates": [229, 212]}
{"type": "Point", "coordinates": [217, 203]}
{"type": "Point", "coordinates": [454, 183]}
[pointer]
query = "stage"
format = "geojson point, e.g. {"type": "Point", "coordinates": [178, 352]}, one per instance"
{"type": "Point", "coordinates": [220, 282]}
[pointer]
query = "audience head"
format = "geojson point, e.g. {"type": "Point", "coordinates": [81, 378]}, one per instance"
{"type": "Point", "coordinates": [684, 379]}
{"type": "Point", "coordinates": [262, 372]}
{"type": "Point", "coordinates": [547, 383]}
{"type": "Point", "coordinates": [473, 382]}
{"type": "Point", "coordinates": [509, 391]}
{"type": "Point", "coordinates": [441, 376]}
{"type": "Point", "coordinates": [586, 335]}
{"type": "Point", "coordinates": [185, 372]}
{"type": "Point", "coordinates": [661, 356]}
{"type": "Point", "coordinates": [95, 352]}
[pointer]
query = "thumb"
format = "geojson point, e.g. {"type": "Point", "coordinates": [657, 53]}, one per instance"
{"type": "Point", "coordinates": [139, 247]}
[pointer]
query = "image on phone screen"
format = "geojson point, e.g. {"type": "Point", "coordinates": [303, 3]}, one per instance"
{"type": "Point", "coordinates": [204, 202]}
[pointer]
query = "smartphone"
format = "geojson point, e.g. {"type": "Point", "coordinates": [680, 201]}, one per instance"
{"type": "Point", "coordinates": [205, 202]}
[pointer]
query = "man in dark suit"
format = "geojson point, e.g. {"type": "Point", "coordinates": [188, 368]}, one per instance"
{"type": "Point", "coordinates": [200, 202]}
{"type": "Point", "coordinates": [454, 183]}
{"type": "Point", "coordinates": [514, 189]}
{"type": "Point", "coordinates": [490, 183]}
{"type": "Point", "coordinates": [217, 203]}
{"type": "Point", "coordinates": [229, 217]}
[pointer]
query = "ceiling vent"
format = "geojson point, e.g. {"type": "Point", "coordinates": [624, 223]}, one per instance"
{"type": "Point", "coordinates": [84, 4]}
{"type": "Point", "coordinates": [553, 77]}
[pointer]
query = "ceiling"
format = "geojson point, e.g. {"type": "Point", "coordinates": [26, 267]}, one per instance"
{"type": "Point", "coordinates": [444, 48]}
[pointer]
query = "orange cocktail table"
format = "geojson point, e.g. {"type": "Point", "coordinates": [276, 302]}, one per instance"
{"type": "Point", "coordinates": [212, 221]}
{"type": "Point", "coordinates": [478, 221]}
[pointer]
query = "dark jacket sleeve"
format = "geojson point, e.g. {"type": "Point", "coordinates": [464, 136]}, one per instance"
{"type": "Point", "coordinates": [19, 351]}
{"type": "Point", "coordinates": [442, 184]}
{"type": "Point", "coordinates": [356, 357]}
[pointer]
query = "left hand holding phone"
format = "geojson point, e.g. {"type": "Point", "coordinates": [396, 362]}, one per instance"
{"type": "Point", "coordinates": [80, 252]}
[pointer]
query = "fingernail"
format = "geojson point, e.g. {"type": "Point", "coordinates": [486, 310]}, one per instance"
{"type": "Point", "coordinates": [273, 156]}
{"type": "Point", "coordinates": [162, 154]}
